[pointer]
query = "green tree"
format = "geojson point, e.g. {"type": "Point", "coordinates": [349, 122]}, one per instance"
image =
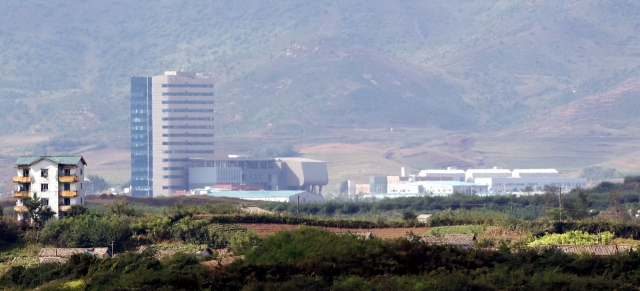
{"type": "Point", "coordinates": [98, 184]}
{"type": "Point", "coordinates": [409, 215]}
{"type": "Point", "coordinates": [527, 189]}
{"type": "Point", "coordinates": [76, 210]}
{"type": "Point", "coordinates": [120, 207]}
{"type": "Point", "coordinates": [1, 211]}
{"type": "Point", "coordinates": [38, 212]}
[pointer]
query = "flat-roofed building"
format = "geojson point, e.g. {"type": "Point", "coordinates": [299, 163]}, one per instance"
{"type": "Point", "coordinates": [531, 173]}
{"type": "Point", "coordinates": [171, 123]}
{"type": "Point", "coordinates": [448, 174]}
{"type": "Point", "coordinates": [537, 183]}
{"type": "Point", "coordinates": [472, 174]}
{"type": "Point", "coordinates": [436, 188]}
{"type": "Point", "coordinates": [269, 173]}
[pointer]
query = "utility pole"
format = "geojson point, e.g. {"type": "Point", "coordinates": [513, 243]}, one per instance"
{"type": "Point", "coordinates": [560, 199]}
{"type": "Point", "coordinates": [112, 252]}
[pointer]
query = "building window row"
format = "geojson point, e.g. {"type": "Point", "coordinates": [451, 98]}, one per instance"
{"type": "Point", "coordinates": [188, 143]}
{"type": "Point", "coordinates": [187, 85]}
{"type": "Point", "coordinates": [186, 102]}
{"type": "Point", "coordinates": [173, 177]}
{"type": "Point", "coordinates": [139, 102]}
{"type": "Point", "coordinates": [172, 187]}
{"type": "Point", "coordinates": [139, 111]}
{"type": "Point", "coordinates": [173, 168]}
{"type": "Point", "coordinates": [188, 126]}
{"type": "Point", "coordinates": [139, 127]}
{"type": "Point", "coordinates": [188, 110]}
{"type": "Point", "coordinates": [140, 135]}
{"type": "Point", "coordinates": [188, 118]}
{"type": "Point", "coordinates": [186, 135]}
{"type": "Point", "coordinates": [176, 160]}
{"type": "Point", "coordinates": [186, 94]}
{"type": "Point", "coordinates": [188, 152]}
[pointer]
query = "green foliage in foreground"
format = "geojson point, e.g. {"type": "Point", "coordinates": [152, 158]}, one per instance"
{"type": "Point", "coordinates": [314, 259]}
{"type": "Point", "coordinates": [575, 237]}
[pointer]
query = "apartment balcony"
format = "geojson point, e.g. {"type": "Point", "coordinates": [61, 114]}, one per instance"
{"type": "Point", "coordinates": [21, 179]}
{"type": "Point", "coordinates": [64, 208]}
{"type": "Point", "coordinates": [21, 194]}
{"type": "Point", "coordinates": [20, 208]}
{"type": "Point", "coordinates": [68, 179]}
{"type": "Point", "coordinates": [68, 194]}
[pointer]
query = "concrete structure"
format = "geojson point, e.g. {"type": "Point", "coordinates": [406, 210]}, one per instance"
{"type": "Point", "coordinates": [448, 174]}
{"type": "Point", "coordinates": [363, 188]}
{"type": "Point", "coordinates": [276, 196]}
{"type": "Point", "coordinates": [533, 173]}
{"type": "Point", "coordinates": [270, 173]}
{"type": "Point", "coordinates": [61, 255]}
{"type": "Point", "coordinates": [57, 180]}
{"type": "Point", "coordinates": [436, 188]}
{"type": "Point", "coordinates": [424, 218]}
{"type": "Point", "coordinates": [537, 183]}
{"type": "Point", "coordinates": [171, 123]}
{"type": "Point", "coordinates": [472, 174]}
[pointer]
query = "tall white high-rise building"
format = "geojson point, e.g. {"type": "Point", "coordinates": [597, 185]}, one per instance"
{"type": "Point", "coordinates": [171, 123]}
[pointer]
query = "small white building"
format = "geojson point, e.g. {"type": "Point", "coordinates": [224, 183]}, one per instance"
{"type": "Point", "coordinates": [57, 180]}
{"type": "Point", "coordinates": [454, 174]}
{"type": "Point", "coordinates": [472, 174]}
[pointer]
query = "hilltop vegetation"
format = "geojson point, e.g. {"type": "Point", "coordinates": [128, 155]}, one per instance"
{"type": "Point", "coordinates": [296, 70]}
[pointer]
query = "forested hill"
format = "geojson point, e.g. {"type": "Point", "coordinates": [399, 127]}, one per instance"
{"type": "Point", "coordinates": [292, 66]}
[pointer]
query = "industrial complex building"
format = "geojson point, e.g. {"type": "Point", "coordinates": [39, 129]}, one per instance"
{"type": "Point", "coordinates": [259, 174]}
{"type": "Point", "coordinates": [471, 181]}
{"type": "Point", "coordinates": [56, 180]}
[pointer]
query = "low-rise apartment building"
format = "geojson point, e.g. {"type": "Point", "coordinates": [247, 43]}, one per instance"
{"type": "Point", "coordinates": [57, 180]}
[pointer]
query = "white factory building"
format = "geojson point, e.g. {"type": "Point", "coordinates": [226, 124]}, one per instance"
{"type": "Point", "coordinates": [450, 173]}
{"type": "Point", "coordinates": [533, 173]}
{"type": "Point", "coordinates": [504, 180]}
{"type": "Point", "coordinates": [537, 183]}
{"type": "Point", "coordinates": [435, 188]}
{"type": "Point", "coordinates": [472, 174]}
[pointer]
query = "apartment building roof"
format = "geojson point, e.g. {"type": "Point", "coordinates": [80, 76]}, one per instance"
{"type": "Point", "coordinates": [64, 160]}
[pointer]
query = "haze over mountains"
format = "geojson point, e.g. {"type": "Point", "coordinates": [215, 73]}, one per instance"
{"type": "Point", "coordinates": [481, 83]}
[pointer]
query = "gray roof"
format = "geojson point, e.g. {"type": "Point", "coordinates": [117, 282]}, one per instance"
{"type": "Point", "coordinates": [60, 255]}
{"type": "Point", "coordinates": [601, 250]}
{"type": "Point", "coordinates": [64, 160]}
{"type": "Point", "coordinates": [450, 239]}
